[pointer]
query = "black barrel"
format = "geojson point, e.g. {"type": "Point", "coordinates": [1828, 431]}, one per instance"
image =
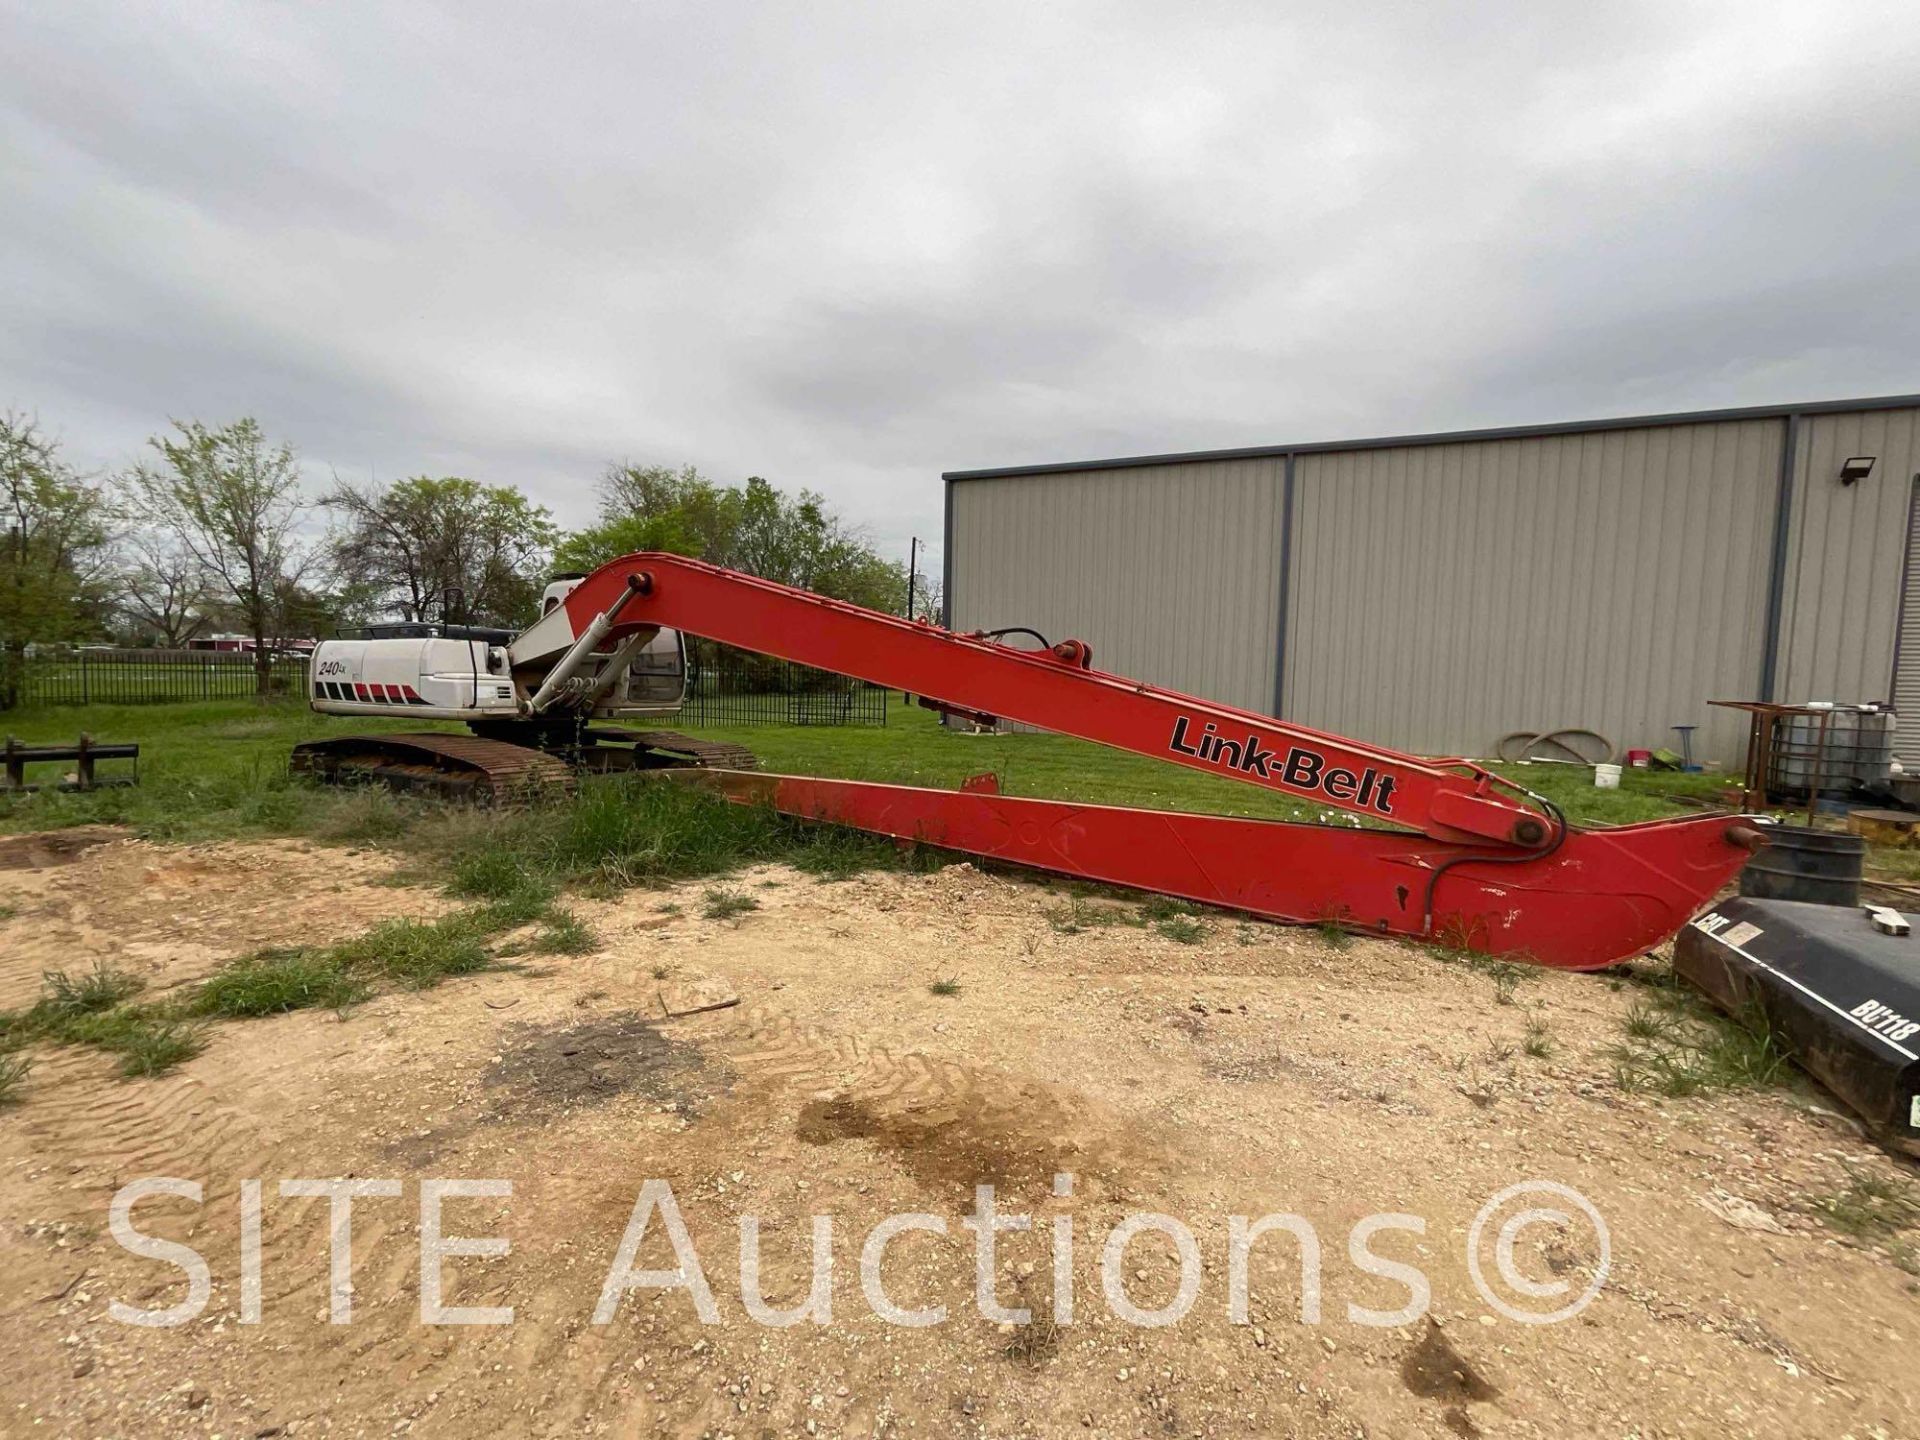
{"type": "Point", "coordinates": [1820, 867]}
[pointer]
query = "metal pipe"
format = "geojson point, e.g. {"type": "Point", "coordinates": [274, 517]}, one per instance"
{"type": "Point", "coordinates": [617, 662]}
{"type": "Point", "coordinates": [588, 642]}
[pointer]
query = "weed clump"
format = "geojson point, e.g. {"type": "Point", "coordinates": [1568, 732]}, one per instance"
{"type": "Point", "coordinates": [95, 1009]}
{"type": "Point", "coordinates": [1677, 1046]}
{"type": "Point", "coordinates": [723, 904]}
{"type": "Point", "coordinates": [1869, 1208]}
{"type": "Point", "coordinates": [565, 933]}
{"type": "Point", "coordinates": [69, 996]}
{"type": "Point", "coordinates": [154, 1044]}
{"type": "Point", "coordinates": [14, 1070]}
{"type": "Point", "coordinates": [1080, 913]}
{"type": "Point", "coordinates": [1538, 1041]}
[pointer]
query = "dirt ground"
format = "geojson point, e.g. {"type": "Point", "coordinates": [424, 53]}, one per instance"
{"type": "Point", "coordinates": [1260, 1070]}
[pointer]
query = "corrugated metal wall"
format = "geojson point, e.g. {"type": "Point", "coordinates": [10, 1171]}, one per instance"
{"type": "Point", "coordinates": [1446, 594]}
{"type": "Point", "coordinates": [1442, 594]}
{"type": "Point", "coordinates": [1171, 573]}
{"type": "Point", "coordinates": [1846, 550]}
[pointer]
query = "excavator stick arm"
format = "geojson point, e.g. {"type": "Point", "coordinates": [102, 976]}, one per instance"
{"type": "Point", "coordinates": [1054, 689]}
{"type": "Point", "coordinates": [1602, 897]}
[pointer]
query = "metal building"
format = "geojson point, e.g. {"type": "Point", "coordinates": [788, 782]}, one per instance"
{"type": "Point", "coordinates": [1434, 592]}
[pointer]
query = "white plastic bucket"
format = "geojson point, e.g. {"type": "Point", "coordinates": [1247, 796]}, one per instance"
{"type": "Point", "coordinates": [1606, 777]}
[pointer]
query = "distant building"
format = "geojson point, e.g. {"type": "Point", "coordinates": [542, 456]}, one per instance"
{"type": "Point", "coordinates": [1434, 592]}
{"type": "Point", "coordinates": [245, 643]}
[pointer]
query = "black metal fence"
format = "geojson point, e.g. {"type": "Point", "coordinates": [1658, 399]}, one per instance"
{"type": "Point", "coordinates": [778, 693]}
{"type": "Point", "coordinates": [141, 677]}
{"type": "Point", "coordinates": [755, 691]}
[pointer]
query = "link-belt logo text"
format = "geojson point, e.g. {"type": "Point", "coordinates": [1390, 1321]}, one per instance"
{"type": "Point", "coordinates": [1302, 769]}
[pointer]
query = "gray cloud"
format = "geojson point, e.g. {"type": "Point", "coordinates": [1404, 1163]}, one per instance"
{"type": "Point", "coordinates": [851, 246]}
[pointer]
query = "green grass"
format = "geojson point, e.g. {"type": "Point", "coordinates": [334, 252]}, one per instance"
{"type": "Point", "coordinates": [565, 933]}
{"type": "Point", "coordinates": [1887, 863]}
{"type": "Point", "coordinates": [152, 1044]}
{"type": "Point", "coordinates": [950, 985]}
{"type": "Point", "coordinates": [1677, 1045]}
{"type": "Point", "coordinates": [208, 771]}
{"type": "Point", "coordinates": [913, 748]}
{"type": "Point", "coordinates": [1507, 975]}
{"type": "Point", "coordinates": [274, 982]}
{"type": "Point", "coordinates": [1653, 1024]}
{"type": "Point", "coordinates": [96, 1009]}
{"type": "Point", "coordinates": [7, 912]}
{"type": "Point", "coordinates": [626, 831]}
{"type": "Point", "coordinates": [1643, 794]}
{"type": "Point", "coordinates": [420, 953]}
{"type": "Point", "coordinates": [218, 769]}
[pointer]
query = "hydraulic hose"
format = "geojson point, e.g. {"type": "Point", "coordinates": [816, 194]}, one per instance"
{"type": "Point", "coordinates": [1433, 880]}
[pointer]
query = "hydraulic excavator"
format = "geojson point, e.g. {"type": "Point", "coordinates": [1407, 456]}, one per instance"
{"type": "Point", "coordinates": [1447, 851]}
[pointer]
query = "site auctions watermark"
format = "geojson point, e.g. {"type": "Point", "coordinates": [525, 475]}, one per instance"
{"type": "Point", "coordinates": [1572, 1220]}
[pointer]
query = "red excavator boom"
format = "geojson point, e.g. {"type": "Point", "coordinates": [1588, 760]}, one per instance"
{"type": "Point", "coordinates": [1471, 859]}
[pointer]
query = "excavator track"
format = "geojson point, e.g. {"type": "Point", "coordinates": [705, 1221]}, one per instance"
{"type": "Point", "coordinates": [463, 767]}
{"type": "Point", "coordinates": [668, 749]}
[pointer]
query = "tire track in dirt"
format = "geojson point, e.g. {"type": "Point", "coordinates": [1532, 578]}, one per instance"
{"type": "Point", "coordinates": [170, 916]}
{"type": "Point", "coordinates": [85, 1116]}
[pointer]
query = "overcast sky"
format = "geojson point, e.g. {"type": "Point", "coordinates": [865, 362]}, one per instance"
{"type": "Point", "coordinates": [850, 246]}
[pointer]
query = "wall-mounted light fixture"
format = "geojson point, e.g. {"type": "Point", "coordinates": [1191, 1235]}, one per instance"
{"type": "Point", "coordinates": [1855, 467]}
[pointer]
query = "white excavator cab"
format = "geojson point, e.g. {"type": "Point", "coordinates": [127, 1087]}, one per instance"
{"type": "Point", "coordinates": [532, 715]}
{"type": "Point", "coordinates": [466, 672]}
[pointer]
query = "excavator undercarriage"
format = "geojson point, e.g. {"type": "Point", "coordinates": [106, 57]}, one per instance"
{"type": "Point", "coordinates": [495, 768]}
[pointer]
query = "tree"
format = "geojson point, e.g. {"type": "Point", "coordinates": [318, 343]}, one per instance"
{"type": "Point", "coordinates": [450, 548]}
{"type": "Point", "coordinates": [163, 593]}
{"type": "Point", "coordinates": [597, 544]}
{"type": "Point", "coordinates": [926, 596]}
{"type": "Point", "coordinates": [232, 502]}
{"type": "Point", "coordinates": [705, 517]}
{"type": "Point", "coordinates": [56, 537]}
{"type": "Point", "coordinates": [755, 527]}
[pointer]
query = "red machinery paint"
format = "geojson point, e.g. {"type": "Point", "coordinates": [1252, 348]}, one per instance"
{"type": "Point", "coordinates": [1487, 866]}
